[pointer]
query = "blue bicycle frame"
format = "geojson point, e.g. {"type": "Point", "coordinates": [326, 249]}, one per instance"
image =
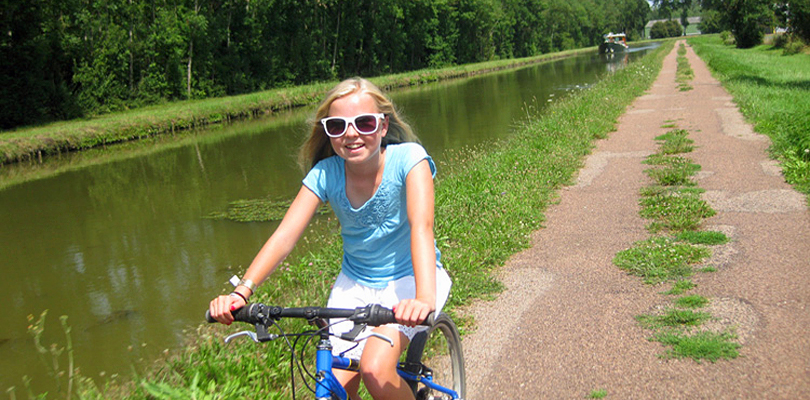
{"type": "Point", "coordinates": [327, 384]}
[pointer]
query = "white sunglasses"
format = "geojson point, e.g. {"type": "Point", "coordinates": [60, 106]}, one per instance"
{"type": "Point", "coordinates": [365, 124]}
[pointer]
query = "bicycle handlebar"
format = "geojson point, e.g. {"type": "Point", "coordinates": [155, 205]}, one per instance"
{"type": "Point", "coordinates": [372, 314]}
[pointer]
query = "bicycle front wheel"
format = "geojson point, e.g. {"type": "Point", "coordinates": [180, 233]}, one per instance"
{"type": "Point", "coordinates": [439, 350]}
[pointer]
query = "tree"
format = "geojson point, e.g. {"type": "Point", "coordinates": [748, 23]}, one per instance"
{"type": "Point", "coordinates": [746, 18]}
{"type": "Point", "coordinates": [667, 7]}
{"type": "Point", "coordinates": [34, 79]}
{"type": "Point", "coordinates": [711, 22]}
{"type": "Point", "coordinates": [795, 15]}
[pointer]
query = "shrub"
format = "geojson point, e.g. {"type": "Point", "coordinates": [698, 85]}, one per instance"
{"type": "Point", "coordinates": [727, 38]}
{"type": "Point", "coordinates": [665, 29]}
{"type": "Point", "coordinates": [793, 46]}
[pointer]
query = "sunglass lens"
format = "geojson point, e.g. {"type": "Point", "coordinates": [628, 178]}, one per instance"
{"type": "Point", "coordinates": [335, 126]}
{"type": "Point", "coordinates": [366, 123]}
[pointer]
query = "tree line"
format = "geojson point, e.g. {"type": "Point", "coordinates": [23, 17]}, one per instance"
{"type": "Point", "coordinates": [747, 20]}
{"type": "Point", "coordinates": [65, 59]}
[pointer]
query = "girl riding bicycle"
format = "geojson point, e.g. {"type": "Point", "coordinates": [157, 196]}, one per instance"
{"type": "Point", "coordinates": [367, 164]}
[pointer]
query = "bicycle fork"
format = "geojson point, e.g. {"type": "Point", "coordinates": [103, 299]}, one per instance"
{"type": "Point", "coordinates": [326, 383]}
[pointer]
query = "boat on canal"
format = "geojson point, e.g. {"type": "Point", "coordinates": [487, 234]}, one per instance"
{"type": "Point", "coordinates": [614, 43]}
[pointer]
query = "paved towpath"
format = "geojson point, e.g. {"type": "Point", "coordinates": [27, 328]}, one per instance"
{"type": "Point", "coordinates": [565, 326]}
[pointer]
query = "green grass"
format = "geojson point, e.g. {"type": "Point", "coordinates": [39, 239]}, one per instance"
{"type": "Point", "coordinates": [660, 259]}
{"type": "Point", "coordinates": [699, 346]}
{"type": "Point", "coordinates": [674, 211]}
{"type": "Point", "coordinates": [673, 318]}
{"type": "Point", "coordinates": [672, 202]}
{"type": "Point", "coordinates": [598, 394]}
{"type": "Point", "coordinates": [709, 238]}
{"type": "Point", "coordinates": [692, 301]}
{"type": "Point", "coordinates": [683, 71]}
{"type": "Point", "coordinates": [675, 141]}
{"type": "Point", "coordinates": [670, 123]}
{"type": "Point", "coordinates": [674, 328]}
{"type": "Point", "coordinates": [680, 286]}
{"type": "Point", "coordinates": [772, 91]}
{"type": "Point", "coordinates": [672, 171]}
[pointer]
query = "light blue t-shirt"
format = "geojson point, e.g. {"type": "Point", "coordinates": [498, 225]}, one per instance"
{"type": "Point", "coordinates": [376, 236]}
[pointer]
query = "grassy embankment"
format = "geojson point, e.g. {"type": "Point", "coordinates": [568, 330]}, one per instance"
{"type": "Point", "coordinates": [488, 203]}
{"type": "Point", "coordinates": [34, 143]}
{"type": "Point", "coordinates": [772, 90]}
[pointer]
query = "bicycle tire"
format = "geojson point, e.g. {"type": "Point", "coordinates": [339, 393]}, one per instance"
{"type": "Point", "coordinates": [439, 348]}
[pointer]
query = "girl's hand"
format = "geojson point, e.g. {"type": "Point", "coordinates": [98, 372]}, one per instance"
{"type": "Point", "coordinates": [411, 312]}
{"type": "Point", "coordinates": [220, 308]}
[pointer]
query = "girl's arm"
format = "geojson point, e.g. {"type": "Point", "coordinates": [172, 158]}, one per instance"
{"type": "Point", "coordinates": [274, 251]}
{"type": "Point", "coordinates": [420, 205]}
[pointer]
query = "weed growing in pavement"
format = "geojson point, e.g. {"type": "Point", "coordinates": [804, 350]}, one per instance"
{"type": "Point", "coordinates": [661, 259]}
{"type": "Point", "coordinates": [673, 175]}
{"type": "Point", "coordinates": [680, 286]}
{"type": "Point", "coordinates": [674, 211]}
{"type": "Point", "coordinates": [709, 238]}
{"type": "Point", "coordinates": [669, 124]}
{"type": "Point", "coordinates": [675, 328]}
{"type": "Point", "coordinates": [683, 72]}
{"type": "Point", "coordinates": [671, 171]}
{"type": "Point", "coordinates": [675, 141]}
{"type": "Point", "coordinates": [704, 345]}
{"type": "Point", "coordinates": [692, 301]}
{"type": "Point", "coordinates": [673, 318]}
{"type": "Point", "coordinates": [674, 205]}
{"type": "Point", "coordinates": [598, 394]}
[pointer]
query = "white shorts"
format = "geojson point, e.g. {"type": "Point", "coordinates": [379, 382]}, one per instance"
{"type": "Point", "coordinates": [347, 293]}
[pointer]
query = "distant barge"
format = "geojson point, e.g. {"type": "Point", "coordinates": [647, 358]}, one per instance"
{"type": "Point", "coordinates": [614, 43]}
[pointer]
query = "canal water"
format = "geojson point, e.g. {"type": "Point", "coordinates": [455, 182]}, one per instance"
{"type": "Point", "coordinates": [118, 241]}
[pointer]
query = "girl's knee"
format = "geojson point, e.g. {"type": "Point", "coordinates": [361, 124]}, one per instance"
{"type": "Point", "coordinates": [378, 374]}
{"type": "Point", "coordinates": [385, 383]}
{"type": "Point", "coordinates": [375, 370]}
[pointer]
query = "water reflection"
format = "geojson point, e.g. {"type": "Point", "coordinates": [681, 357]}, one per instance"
{"type": "Point", "coordinates": [117, 239]}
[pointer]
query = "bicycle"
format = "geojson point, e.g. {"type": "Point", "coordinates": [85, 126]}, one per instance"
{"type": "Point", "coordinates": [439, 346]}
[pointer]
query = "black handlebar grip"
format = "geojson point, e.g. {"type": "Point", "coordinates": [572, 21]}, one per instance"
{"type": "Point", "coordinates": [379, 315]}
{"type": "Point", "coordinates": [241, 315]}
{"type": "Point", "coordinates": [249, 313]}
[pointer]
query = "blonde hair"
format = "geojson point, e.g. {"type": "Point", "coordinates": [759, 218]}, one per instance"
{"type": "Point", "coordinates": [318, 146]}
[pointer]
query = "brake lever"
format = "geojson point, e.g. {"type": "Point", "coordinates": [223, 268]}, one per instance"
{"type": "Point", "coordinates": [251, 335]}
{"type": "Point", "coordinates": [352, 335]}
{"type": "Point", "coordinates": [383, 337]}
